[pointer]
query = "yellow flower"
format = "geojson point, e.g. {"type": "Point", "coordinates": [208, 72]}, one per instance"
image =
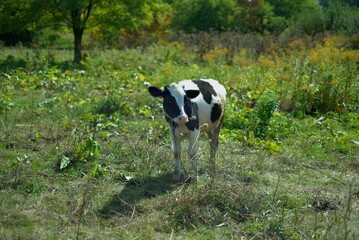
{"type": "Point", "coordinates": [350, 56]}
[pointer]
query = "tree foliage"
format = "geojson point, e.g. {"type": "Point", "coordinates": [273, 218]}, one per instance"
{"type": "Point", "coordinates": [78, 15]}
{"type": "Point", "coordinates": [203, 15]}
{"type": "Point", "coordinates": [224, 15]}
{"type": "Point", "coordinates": [289, 8]}
{"type": "Point", "coordinates": [19, 20]}
{"type": "Point", "coordinates": [109, 21]}
{"type": "Point", "coordinates": [114, 17]}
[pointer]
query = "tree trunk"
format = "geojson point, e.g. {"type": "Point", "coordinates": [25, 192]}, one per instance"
{"type": "Point", "coordinates": [78, 32]}
{"type": "Point", "coordinates": [79, 16]}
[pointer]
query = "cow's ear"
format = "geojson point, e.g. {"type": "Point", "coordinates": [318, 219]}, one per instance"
{"type": "Point", "coordinates": [155, 92]}
{"type": "Point", "coordinates": [192, 93]}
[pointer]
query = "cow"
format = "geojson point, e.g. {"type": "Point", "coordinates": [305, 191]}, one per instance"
{"type": "Point", "coordinates": [192, 106]}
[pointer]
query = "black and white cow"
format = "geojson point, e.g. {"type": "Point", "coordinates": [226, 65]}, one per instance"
{"type": "Point", "coordinates": [192, 106]}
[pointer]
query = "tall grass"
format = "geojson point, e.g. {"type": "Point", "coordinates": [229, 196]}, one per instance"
{"type": "Point", "coordinates": [85, 151]}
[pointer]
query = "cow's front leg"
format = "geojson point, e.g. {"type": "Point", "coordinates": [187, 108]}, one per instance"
{"type": "Point", "coordinates": [176, 148]}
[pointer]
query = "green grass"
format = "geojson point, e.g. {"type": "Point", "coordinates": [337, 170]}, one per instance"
{"type": "Point", "coordinates": [297, 180]}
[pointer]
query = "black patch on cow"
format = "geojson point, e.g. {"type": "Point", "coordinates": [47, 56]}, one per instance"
{"type": "Point", "coordinates": [172, 110]}
{"type": "Point", "coordinates": [206, 89]}
{"type": "Point", "coordinates": [192, 93]}
{"type": "Point", "coordinates": [216, 112]}
{"type": "Point", "coordinates": [155, 92]}
{"type": "Point", "coordinates": [170, 105]}
{"type": "Point", "coordinates": [191, 110]}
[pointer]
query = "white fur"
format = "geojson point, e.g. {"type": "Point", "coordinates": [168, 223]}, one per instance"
{"type": "Point", "coordinates": [204, 109]}
{"type": "Point", "coordinates": [178, 93]}
{"type": "Point", "coordinates": [205, 123]}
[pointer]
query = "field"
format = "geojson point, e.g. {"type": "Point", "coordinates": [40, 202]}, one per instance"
{"type": "Point", "coordinates": [85, 150]}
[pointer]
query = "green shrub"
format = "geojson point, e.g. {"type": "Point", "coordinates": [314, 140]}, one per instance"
{"type": "Point", "coordinates": [310, 21]}
{"type": "Point", "coordinates": [264, 110]}
{"type": "Point", "coordinates": [342, 18]}
{"type": "Point", "coordinates": [108, 106]}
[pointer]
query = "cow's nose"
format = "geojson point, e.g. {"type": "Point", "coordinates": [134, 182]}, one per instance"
{"type": "Point", "coordinates": [183, 118]}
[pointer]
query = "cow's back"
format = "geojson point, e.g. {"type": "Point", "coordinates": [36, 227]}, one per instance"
{"type": "Point", "coordinates": [210, 102]}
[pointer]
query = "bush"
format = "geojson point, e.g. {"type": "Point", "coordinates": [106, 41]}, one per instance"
{"type": "Point", "coordinates": [342, 18]}
{"type": "Point", "coordinates": [318, 87]}
{"type": "Point", "coordinates": [108, 106]}
{"type": "Point", "coordinates": [24, 37]}
{"type": "Point", "coordinates": [264, 110]}
{"type": "Point", "coordinates": [337, 17]}
{"type": "Point", "coordinates": [310, 21]}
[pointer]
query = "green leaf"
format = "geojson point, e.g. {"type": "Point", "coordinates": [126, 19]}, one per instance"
{"type": "Point", "coordinates": [105, 134]}
{"type": "Point", "coordinates": [65, 161]}
{"type": "Point", "coordinates": [37, 134]}
{"type": "Point", "coordinates": [96, 170]}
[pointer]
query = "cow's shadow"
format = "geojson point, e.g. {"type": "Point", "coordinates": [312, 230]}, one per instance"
{"type": "Point", "coordinates": [136, 189]}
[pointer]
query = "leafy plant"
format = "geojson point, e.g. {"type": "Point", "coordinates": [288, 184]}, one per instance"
{"type": "Point", "coordinates": [108, 106]}
{"type": "Point", "coordinates": [83, 146]}
{"type": "Point", "coordinates": [264, 110]}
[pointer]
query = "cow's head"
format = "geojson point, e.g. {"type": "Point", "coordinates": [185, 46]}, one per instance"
{"type": "Point", "coordinates": [176, 101]}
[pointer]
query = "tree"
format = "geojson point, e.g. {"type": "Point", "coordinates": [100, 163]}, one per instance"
{"type": "Point", "coordinates": [226, 15]}
{"type": "Point", "coordinates": [113, 20]}
{"type": "Point", "coordinates": [77, 15]}
{"type": "Point", "coordinates": [203, 15]}
{"type": "Point", "coordinates": [258, 16]}
{"type": "Point", "coordinates": [290, 8]}
{"type": "Point", "coordinates": [342, 16]}
{"type": "Point", "coordinates": [16, 21]}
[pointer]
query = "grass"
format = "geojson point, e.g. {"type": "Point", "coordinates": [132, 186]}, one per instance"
{"type": "Point", "coordinates": [85, 153]}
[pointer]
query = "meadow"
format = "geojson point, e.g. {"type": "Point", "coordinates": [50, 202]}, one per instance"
{"type": "Point", "coordinates": [85, 150]}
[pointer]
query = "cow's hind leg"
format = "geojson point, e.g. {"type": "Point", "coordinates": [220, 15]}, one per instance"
{"type": "Point", "coordinates": [213, 135]}
{"type": "Point", "coordinates": [192, 150]}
